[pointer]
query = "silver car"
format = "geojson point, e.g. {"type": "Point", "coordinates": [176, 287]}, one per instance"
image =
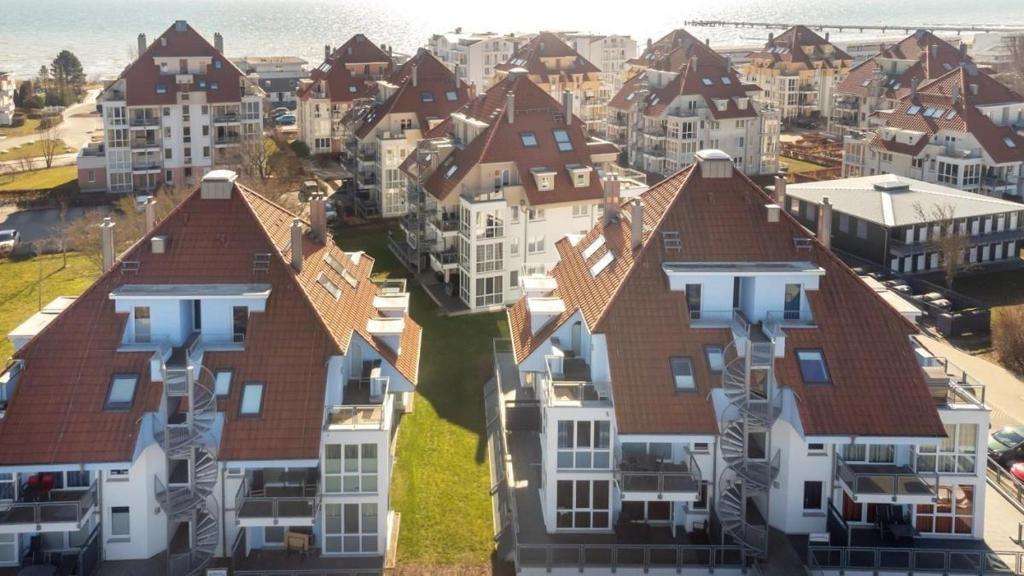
{"type": "Point", "coordinates": [9, 240]}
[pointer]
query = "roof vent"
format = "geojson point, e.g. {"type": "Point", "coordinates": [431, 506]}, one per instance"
{"type": "Point", "coordinates": [891, 186]}
{"type": "Point", "coordinates": [714, 164]}
{"type": "Point", "coordinates": [217, 185]}
{"type": "Point", "coordinates": [158, 244]}
{"type": "Point", "coordinates": [543, 310]}
{"type": "Point", "coordinates": [773, 212]}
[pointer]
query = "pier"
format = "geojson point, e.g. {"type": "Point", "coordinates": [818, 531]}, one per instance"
{"type": "Point", "coordinates": [853, 27]}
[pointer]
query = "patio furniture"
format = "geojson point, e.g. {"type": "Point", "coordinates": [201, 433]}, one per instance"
{"type": "Point", "coordinates": [298, 542]}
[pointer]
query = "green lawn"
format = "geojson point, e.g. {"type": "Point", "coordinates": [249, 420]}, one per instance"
{"type": "Point", "coordinates": [441, 483]}
{"type": "Point", "coordinates": [20, 289]}
{"type": "Point", "coordinates": [32, 150]}
{"type": "Point", "coordinates": [44, 179]}
{"type": "Point", "coordinates": [29, 127]}
{"type": "Point", "coordinates": [796, 166]}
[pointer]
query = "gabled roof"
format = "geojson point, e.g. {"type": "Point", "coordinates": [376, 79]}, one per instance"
{"type": "Point", "coordinates": [802, 45]}
{"type": "Point", "coordinates": [180, 40]}
{"type": "Point", "coordinates": [536, 112]}
{"type": "Point", "coordinates": [56, 414]}
{"type": "Point", "coordinates": [531, 55]}
{"type": "Point", "coordinates": [961, 116]}
{"type": "Point", "coordinates": [932, 56]}
{"type": "Point", "coordinates": [710, 77]}
{"type": "Point", "coordinates": [340, 83]}
{"type": "Point", "coordinates": [429, 99]}
{"type": "Point", "coordinates": [673, 50]}
{"type": "Point", "coordinates": [359, 50]}
{"type": "Point", "coordinates": [877, 387]}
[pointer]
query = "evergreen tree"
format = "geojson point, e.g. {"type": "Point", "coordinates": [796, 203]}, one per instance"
{"type": "Point", "coordinates": [68, 78]}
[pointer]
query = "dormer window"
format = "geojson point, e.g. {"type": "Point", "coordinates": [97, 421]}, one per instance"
{"type": "Point", "coordinates": [161, 88]}
{"type": "Point", "coordinates": [544, 178]}
{"type": "Point", "coordinates": [214, 86]}
{"type": "Point", "coordinates": [451, 95]}
{"type": "Point", "coordinates": [121, 394]}
{"type": "Point", "coordinates": [563, 141]}
{"type": "Point", "coordinates": [579, 174]}
{"type": "Point", "coordinates": [426, 96]}
{"type": "Point", "coordinates": [529, 139]}
{"type": "Point", "coordinates": [217, 64]}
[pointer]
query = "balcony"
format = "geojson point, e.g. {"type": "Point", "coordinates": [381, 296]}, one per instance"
{"type": "Point", "coordinates": [227, 118]}
{"type": "Point", "coordinates": [145, 165]}
{"type": "Point", "coordinates": [227, 139]}
{"type": "Point", "coordinates": [366, 179]}
{"type": "Point", "coordinates": [145, 143]}
{"type": "Point", "coordinates": [61, 510]}
{"type": "Point", "coordinates": [446, 223]}
{"type": "Point", "coordinates": [367, 405]}
{"type": "Point", "coordinates": [569, 382]}
{"type": "Point", "coordinates": [649, 479]}
{"type": "Point", "coordinates": [885, 483]}
{"type": "Point", "coordinates": [139, 121]}
{"type": "Point", "coordinates": [294, 502]}
{"type": "Point", "coordinates": [366, 155]}
{"type": "Point", "coordinates": [441, 260]}
{"type": "Point", "coordinates": [410, 223]}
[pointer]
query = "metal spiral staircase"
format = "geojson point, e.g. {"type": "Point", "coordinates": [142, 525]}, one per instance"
{"type": "Point", "coordinates": [188, 439]}
{"type": "Point", "coordinates": [754, 405]}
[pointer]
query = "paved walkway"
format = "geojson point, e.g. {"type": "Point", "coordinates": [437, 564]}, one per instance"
{"type": "Point", "coordinates": [80, 121]}
{"type": "Point", "coordinates": [1004, 392]}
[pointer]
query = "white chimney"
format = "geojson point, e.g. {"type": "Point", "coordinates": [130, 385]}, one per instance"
{"type": "Point", "coordinates": [567, 106]}
{"type": "Point", "coordinates": [107, 240]}
{"type": "Point", "coordinates": [150, 214]}
{"type": "Point", "coordinates": [714, 164]}
{"type": "Point", "coordinates": [158, 244]}
{"type": "Point", "coordinates": [218, 42]}
{"type": "Point", "coordinates": [510, 107]}
{"type": "Point", "coordinates": [415, 76]}
{"type": "Point", "coordinates": [825, 222]}
{"type": "Point", "coordinates": [773, 212]}
{"type": "Point", "coordinates": [297, 244]}
{"type": "Point", "coordinates": [217, 185]}
{"type": "Point", "coordinates": [318, 216]}
{"type": "Point", "coordinates": [142, 44]}
{"type": "Point", "coordinates": [612, 186]}
{"type": "Point", "coordinates": [637, 220]}
{"type": "Point", "coordinates": [780, 189]}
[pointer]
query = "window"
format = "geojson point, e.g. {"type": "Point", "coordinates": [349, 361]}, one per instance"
{"type": "Point", "coordinates": [791, 304]}
{"type": "Point", "coordinates": [535, 214]}
{"type": "Point", "coordinates": [426, 96]}
{"type": "Point", "coordinates": [252, 400]}
{"type": "Point", "coordinates": [451, 95]}
{"type": "Point", "coordinates": [222, 383]}
{"type": "Point", "coordinates": [812, 495]}
{"type": "Point", "coordinates": [952, 512]}
{"type": "Point", "coordinates": [535, 245]}
{"type": "Point", "coordinates": [562, 139]}
{"type": "Point", "coordinates": [161, 88]}
{"type": "Point", "coordinates": [214, 85]}
{"type": "Point", "coordinates": [584, 444]}
{"type": "Point", "coordinates": [580, 210]}
{"type": "Point", "coordinates": [240, 323]}
{"type": "Point", "coordinates": [350, 527]}
{"type": "Point", "coordinates": [862, 229]}
{"type": "Point", "coordinates": [489, 258]}
{"type": "Point", "coordinates": [715, 357]}
{"type": "Point", "coordinates": [529, 139]}
{"type": "Point", "coordinates": [142, 324]}
{"type": "Point", "coordinates": [120, 523]}
{"type": "Point", "coordinates": [844, 223]}
{"type": "Point", "coordinates": [682, 373]}
{"type": "Point", "coordinates": [693, 300]}
{"type": "Point", "coordinates": [350, 468]}
{"type": "Point", "coordinates": [118, 475]}
{"type": "Point", "coordinates": [812, 366]}
{"type": "Point", "coordinates": [582, 504]}
{"type": "Point", "coordinates": [956, 454]}
{"type": "Point", "coordinates": [815, 448]}
{"type": "Point", "coordinates": [702, 497]}
{"type": "Point", "coordinates": [122, 391]}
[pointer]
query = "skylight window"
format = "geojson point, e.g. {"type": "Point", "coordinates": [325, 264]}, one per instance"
{"type": "Point", "coordinates": [715, 357]}
{"type": "Point", "coordinates": [252, 399]}
{"type": "Point", "coordinates": [655, 99]}
{"type": "Point", "coordinates": [325, 67]}
{"type": "Point", "coordinates": [426, 96]}
{"type": "Point", "coordinates": [1009, 142]}
{"type": "Point", "coordinates": [451, 170]}
{"type": "Point", "coordinates": [682, 373]}
{"type": "Point", "coordinates": [328, 285]}
{"type": "Point", "coordinates": [529, 139]}
{"type": "Point", "coordinates": [161, 88]}
{"type": "Point", "coordinates": [352, 89]}
{"type": "Point", "coordinates": [217, 64]}
{"type": "Point", "coordinates": [951, 114]}
{"type": "Point", "coordinates": [913, 110]}
{"type": "Point", "coordinates": [122, 391]}
{"type": "Point", "coordinates": [629, 98]}
{"type": "Point", "coordinates": [590, 250]}
{"type": "Point", "coordinates": [562, 139]}
{"type": "Point", "coordinates": [602, 263]}
{"type": "Point", "coordinates": [866, 82]}
{"type": "Point", "coordinates": [726, 80]}
{"type": "Point", "coordinates": [707, 81]}
{"type": "Point", "coordinates": [451, 95]}
{"type": "Point", "coordinates": [928, 111]}
{"type": "Point", "coordinates": [347, 276]}
{"type": "Point", "coordinates": [222, 382]}
{"type": "Point", "coordinates": [896, 85]}
{"type": "Point", "coordinates": [812, 366]}
{"type": "Point", "coordinates": [214, 86]}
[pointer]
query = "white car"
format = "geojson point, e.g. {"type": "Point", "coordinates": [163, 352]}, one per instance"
{"type": "Point", "coordinates": [331, 212]}
{"type": "Point", "coordinates": [9, 240]}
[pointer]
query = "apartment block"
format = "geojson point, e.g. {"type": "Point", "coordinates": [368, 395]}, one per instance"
{"type": "Point", "coordinates": [225, 394]}
{"type": "Point", "coordinates": [610, 53]}
{"type": "Point", "coordinates": [345, 78]}
{"type": "Point", "coordinates": [684, 97]}
{"type": "Point", "coordinates": [6, 99]}
{"type": "Point", "coordinates": [700, 383]}
{"type": "Point", "coordinates": [178, 111]}
{"type": "Point", "coordinates": [493, 188]}
{"type": "Point", "coordinates": [417, 96]}
{"type": "Point", "coordinates": [898, 223]}
{"type": "Point", "coordinates": [960, 130]}
{"type": "Point", "coordinates": [473, 56]}
{"type": "Point", "coordinates": [278, 76]}
{"type": "Point", "coordinates": [556, 67]}
{"type": "Point", "coordinates": [798, 72]}
{"type": "Point", "coordinates": [881, 81]}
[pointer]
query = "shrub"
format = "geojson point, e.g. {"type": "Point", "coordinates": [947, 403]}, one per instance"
{"type": "Point", "coordinates": [300, 148]}
{"type": "Point", "coordinates": [1008, 337]}
{"type": "Point", "coordinates": [17, 120]}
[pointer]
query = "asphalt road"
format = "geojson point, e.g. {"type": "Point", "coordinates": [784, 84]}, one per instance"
{"type": "Point", "coordinates": [80, 122]}
{"type": "Point", "coordinates": [39, 224]}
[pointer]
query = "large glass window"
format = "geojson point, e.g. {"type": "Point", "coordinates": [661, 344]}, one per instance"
{"type": "Point", "coordinates": [952, 512]}
{"type": "Point", "coordinates": [240, 323]}
{"type": "Point", "coordinates": [682, 373]}
{"type": "Point", "coordinates": [583, 504]}
{"type": "Point", "coordinates": [957, 454]}
{"type": "Point", "coordinates": [791, 310]}
{"type": "Point", "coordinates": [350, 468]}
{"type": "Point", "coordinates": [350, 527]}
{"type": "Point", "coordinates": [584, 444]}
{"type": "Point", "coordinates": [143, 327]}
{"type": "Point", "coordinates": [693, 300]}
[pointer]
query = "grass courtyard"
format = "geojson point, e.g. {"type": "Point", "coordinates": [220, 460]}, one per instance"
{"type": "Point", "coordinates": [441, 483]}
{"type": "Point", "coordinates": [44, 179]}
{"type": "Point", "coordinates": [797, 166]}
{"type": "Point", "coordinates": [34, 149]}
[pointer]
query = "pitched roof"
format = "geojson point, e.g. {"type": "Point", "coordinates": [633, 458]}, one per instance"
{"type": "Point", "coordinates": [56, 414]}
{"type": "Point", "coordinates": [531, 56]}
{"type": "Point", "coordinates": [801, 45]}
{"type": "Point", "coordinates": [536, 112]}
{"type": "Point", "coordinates": [877, 388]}
{"type": "Point", "coordinates": [436, 94]}
{"type": "Point", "coordinates": [709, 76]}
{"type": "Point", "coordinates": [673, 50]}
{"type": "Point", "coordinates": [932, 56]}
{"type": "Point", "coordinates": [969, 88]}
{"type": "Point", "coordinates": [142, 77]}
{"type": "Point", "coordinates": [359, 50]}
{"type": "Point", "coordinates": [340, 84]}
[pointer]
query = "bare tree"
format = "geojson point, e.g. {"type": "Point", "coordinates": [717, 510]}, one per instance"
{"type": "Point", "coordinates": [257, 158]}
{"type": "Point", "coordinates": [951, 243]}
{"type": "Point", "coordinates": [50, 144]}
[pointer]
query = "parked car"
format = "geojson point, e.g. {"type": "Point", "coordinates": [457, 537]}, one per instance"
{"type": "Point", "coordinates": [285, 119]}
{"type": "Point", "coordinates": [1017, 469]}
{"type": "Point", "coordinates": [279, 111]}
{"type": "Point", "coordinates": [1006, 446]}
{"type": "Point", "coordinates": [332, 211]}
{"type": "Point", "coordinates": [9, 240]}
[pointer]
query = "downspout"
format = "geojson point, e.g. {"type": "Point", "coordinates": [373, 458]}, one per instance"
{"type": "Point", "coordinates": [99, 508]}
{"type": "Point", "coordinates": [223, 507]}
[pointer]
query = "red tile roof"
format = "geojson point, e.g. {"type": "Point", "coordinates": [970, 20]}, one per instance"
{"type": "Point", "coordinates": [433, 78]}
{"type": "Point", "coordinates": [802, 45]}
{"type": "Point", "coordinates": [142, 76]}
{"type": "Point", "coordinates": [877, 388]}
{"type": "Point", "coordinates": [341, 85]}
{"type": "Point", "coordinates": [535, 111]}
{"type": "Point", "coordinates": [704, 76]}
{"type": "Point", "coordinates": [56, 414]}
{"type": "Point", "coordinates": [531, 55]}
{"type": "Point", "coordinates": [672, 51]}
{"type": "Point", "coordinates": [933, 57]}
{"type": "Point", "coordinates": [359, 50]}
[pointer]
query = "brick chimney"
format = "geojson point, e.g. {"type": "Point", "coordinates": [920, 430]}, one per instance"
{"type": "Point", "coordinates": [637, 220]}
{"type": "Point", "coordinates": [218, 42]}
{"type": "Point", "coordinates": [297, 244]}
{"type": "Point", "coordinates": [142, 44]}
{"type": "Point", "coordinates": [318, 216]}
{"type": "Point", "coordinates": [825, 222]}
{"type": "Point", "coordinates": [107, 242]}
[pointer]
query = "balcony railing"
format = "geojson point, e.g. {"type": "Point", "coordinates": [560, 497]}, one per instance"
{"type": "Point", "coordinates": [144, 121]}
{"type": "Point", "coordinates": [228, 139]}
{"type": "Point", "coordinates": [276, 502]}
{"type": "Point", "coordinates": [569, 381]}
{"type": "Point", "coordinates": [663, 479]}
{"type": "Point", "coordinates": [366, 415]}
{"type": "Point", "coordinates": [445, 222]}
{"type": "Point", "coordinates": [889, 481]}
{"type": "Point", "coordinates": [145, 143]}
{"type": "Point", "coordinates": [227, 118]}
{"type": "Point", "coordinates": [56, 506]}
{"type": "Point", "coordinates": [145, 164]}
{"type": "Point", "coordinates": [444, 258]}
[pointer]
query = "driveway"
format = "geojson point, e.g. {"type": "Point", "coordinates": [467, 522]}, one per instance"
{"type": "Point", "coordinates": [41, 223]}
{"type": "Point", "coordinates": [80, 122]}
